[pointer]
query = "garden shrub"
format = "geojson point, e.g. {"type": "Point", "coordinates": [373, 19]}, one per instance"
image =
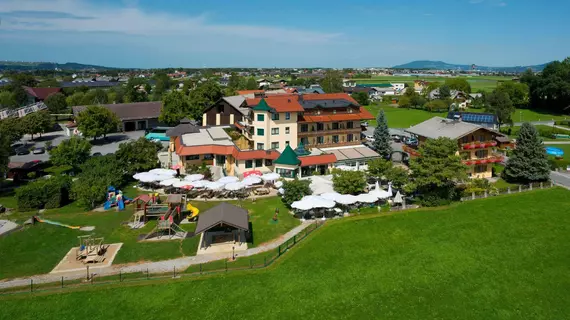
{"type": "Point", "coordinates": [44, 194]}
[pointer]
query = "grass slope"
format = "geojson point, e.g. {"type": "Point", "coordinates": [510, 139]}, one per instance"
{"type": "Point", "coordinates": [498, 258]}
{"type": "Point", "coordinates": [37, 249]}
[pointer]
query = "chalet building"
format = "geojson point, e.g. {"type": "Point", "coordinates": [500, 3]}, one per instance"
{"type": "Point", "coordinates": [476, 144]}
{"type": "Point", "coordinates": [227, 111]}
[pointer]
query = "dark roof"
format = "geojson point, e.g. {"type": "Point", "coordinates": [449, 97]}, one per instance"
{"type": "Point", "coordinates": [184, 127]}
{"type": "Point", "coordinates": [225, 213]}
{"type": "Point", "coordinates": [41, 93]}
{"type": "Point", "coordinates": [357, 89]}
{"type": "Point", "coordinates": [473, 117]}
{"type": "Point", "coordinates": [326, 103]}
{"type": "Point", "coordinates": [90, 84]}
{"type": "Point", "coordinates": [130, 111]}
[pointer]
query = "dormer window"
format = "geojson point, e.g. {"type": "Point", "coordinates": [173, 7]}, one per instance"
{"type": "Point", "coordinates": [349, 110]}
{"type": "Point", "coordinates": [334, 111]}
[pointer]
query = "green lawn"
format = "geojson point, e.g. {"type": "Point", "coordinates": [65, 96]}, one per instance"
{"type": "Point", "coordinates": [544, 131]}
{"type": "Point", "coordinates": [526, 115]}
{"type": "Point", "coordinates": [499, 258]}
{"type": "Point", "coordinates": [477, 83]}
{"type": "Point", "coordinates": [37, 249]}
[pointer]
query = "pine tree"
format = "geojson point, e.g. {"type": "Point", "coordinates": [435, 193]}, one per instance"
{"type": "Point", "coordinates": [382, 141]}
{"type": "Point", "coordinates": [528, 162]}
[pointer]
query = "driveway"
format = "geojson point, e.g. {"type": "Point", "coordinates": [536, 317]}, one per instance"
{"type": "Point", "coordinates": [109, 145]}
{"type": "Point", "coordinates": [561, 178]}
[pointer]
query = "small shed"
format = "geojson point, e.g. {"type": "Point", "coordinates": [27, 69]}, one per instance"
{"type": "Point", "coordinates": [223, 229]}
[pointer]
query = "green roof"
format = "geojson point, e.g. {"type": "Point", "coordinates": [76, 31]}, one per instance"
{"type": "Point", "coordinates": [301, 150]}
{"type": "Point", "coordinates": [288, 157]}
{"type": "Point", "coordinates": [261, 106]}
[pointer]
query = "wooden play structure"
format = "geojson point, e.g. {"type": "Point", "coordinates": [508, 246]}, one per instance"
{"type": "Point", "coordinates": [168, 216]}
{"type": "Point", "coordinates": [91, 249]}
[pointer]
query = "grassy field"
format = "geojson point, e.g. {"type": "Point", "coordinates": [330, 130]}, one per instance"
{"type": "Point", "coordinates": [37, 249]}
{"type": "Point", "coordinates": [498, 258]}
{"type": "Point", "coordinates": [477, 83]}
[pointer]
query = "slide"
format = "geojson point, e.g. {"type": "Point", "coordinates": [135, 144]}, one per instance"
{"type": "Point", "coordinates": [55, 223]}
{"type": "Point", "coordinates": [192, 209]}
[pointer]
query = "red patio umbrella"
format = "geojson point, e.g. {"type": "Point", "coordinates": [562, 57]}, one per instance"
{"type": "Point", "coordinates": [176, 167]}
{"type": "Point", "coordinates": [252, 172]}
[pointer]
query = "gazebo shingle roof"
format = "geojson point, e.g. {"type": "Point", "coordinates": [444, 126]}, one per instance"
{"type": "Point", "coordinates": [225, 213]}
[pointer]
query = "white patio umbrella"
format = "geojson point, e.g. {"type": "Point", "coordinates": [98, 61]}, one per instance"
{"type": "Point", "coordinates": [194, 177]}
{"type": "Point", "coordinates": [302, 205]}
{"type": "Point", "coordinates": [379, 193]}
{"type": "Point", "coordinates": [318, 201]}
{"type": "Point", "coordinates": [168, 182]}
{"type": "Point", "coordinates": [167, 172]}
{"type": "Point", "coordinates": [331, 195]}
{"type": "Point", "coordinates": [198, 184]}
{"type": "Point", "coordinates": [398, 198]}
{"type": "Point", "coordinates": [347, 199]}
{"type": "Point", "coordinates": [367, 198]}
{"type": "Point", "coordinates": [270, 176]}
{"type": "Point", "coordinates": [214, 185]}
{"type": "Point", "coordinates": [181, 184]}
{"type": "Point", "coordinates": [234, 186]}
{"type": "Point", "coordinates": [251, 180]}
{"type": "Point", "coordinates": [228, 179]}
{"type": "Point", "coordinates": [278, 184]}
{"type": "Point", "coordinates": [390, 189]}
{"type": "Point", "coordinates": [149, 177]}
{"type": "Point", "coordinates": [281, 191]}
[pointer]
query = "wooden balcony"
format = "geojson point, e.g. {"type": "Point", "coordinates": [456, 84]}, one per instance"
{"type": "Point", "coordinates": [332, 145]}
{"type": "Point", "coordinates": [491, 159]}
{"type": "Point", "coordinates": [316, 133]}
{"type": "Point", "coordinates": [478, 145]}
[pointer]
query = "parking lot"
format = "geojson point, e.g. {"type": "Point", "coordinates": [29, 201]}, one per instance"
{"type": "Point", "coordinates": [103, 146]}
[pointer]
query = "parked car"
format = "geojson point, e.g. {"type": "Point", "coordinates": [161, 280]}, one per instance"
{"type": "Point", "coordinates": [364, 124]}
{"type": "Point", "coordinates": [369, 138]}
{"type": "Point", "coordinates": [396, 138]}
{"type": "Point", "coordinates": [39, 150]}
{"type": "Point", "coordinates": [158, 134]}
{"type": "Point", "coordinates": [22, 151]}
{"type": "Point", "coordinates": [97, 154]}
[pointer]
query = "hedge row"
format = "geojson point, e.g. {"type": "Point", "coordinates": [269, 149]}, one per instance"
{"type": "Point", "coordinates": [44, 194]}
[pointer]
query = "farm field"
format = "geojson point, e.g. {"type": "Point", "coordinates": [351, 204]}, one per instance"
{"type": "Point", "coordinates": [37, 249]}
{"type": "Point", "coordinates": [497, 258]}
{"type": "Point", "coordinates": [477, 83]}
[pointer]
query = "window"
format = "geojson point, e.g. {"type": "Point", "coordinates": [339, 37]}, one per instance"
{"type": "Point", "coordinates": [287, 115]}
{"type": "Point", "coordinates": [260, 132]}
{"type": "Point", "coordinates": [248, 164]}
{"type": "Point", "coordinates": [349, 110]}
{"type": "Point", "coordinates": [286, 143]}
{"type": "Point", "coordinates": [268, 162]}
{"type": "Point", "coordinates": [260, 146]}
{"type": "Point", "coordinates": [304, 127]}
{"type": "Point", "coordinates": [286, 130]}
{"type": "Point", "coordinates": [335, 126]}
{"type": "Point", "coordinates": [209, 156]}
{"type": "Point", "coordinates": [274, 145]}
{"type": "Point", "coordinates": [275, 116]}
{"type": "Point", "coordinates": [349, 137]}
{"type": "Point", "coordinates": [465, 139]}
{"type": "Point", "coordinates": [335, 139]}
{"type": "Point", "coordinates": [274, 131]}
{"type": "Point", "coordinates": [350, 125]}
{"type": "Point", "coordinates": [258, 163]}
{"type": "Point", "coordinates": [320, 139]}
{"type": "Point", "coordinates": [480, 168]}
{"type": "Point", "coordinates": [193, 157]}
{"type": "Point", "coordinates": [334, 111]}
{"type": "Point", "coordinates": [320, 126]}
{"type": "Point", "coordinates": [260, 117]}
{"type": "Point", "coordinates": [481, 138]}
{"type": "Point", "coordinates": [481, 154]}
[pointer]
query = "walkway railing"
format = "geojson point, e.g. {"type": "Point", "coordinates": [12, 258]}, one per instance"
{"type": "Point", "coordinates": [234, 263]}
{"type": "Point", "coordinates": [508, 190]}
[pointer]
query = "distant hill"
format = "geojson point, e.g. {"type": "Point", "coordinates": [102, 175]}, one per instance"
{"type": "Point", "coordinates": [24, 66]}
{"type": "Point", "coordinates": [440, 65]}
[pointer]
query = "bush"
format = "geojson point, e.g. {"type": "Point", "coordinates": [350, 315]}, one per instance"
{"type": "Point", "coordinates": [558, 163]}
{"type": "Point", "coordinates": [44, 194]}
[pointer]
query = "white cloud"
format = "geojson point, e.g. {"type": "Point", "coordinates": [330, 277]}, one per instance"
{"type": "Point", "coordinates": [62, 16]}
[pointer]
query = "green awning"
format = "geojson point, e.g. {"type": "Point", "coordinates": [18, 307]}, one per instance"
{"type": "Point", "coordinates": [288, 157]}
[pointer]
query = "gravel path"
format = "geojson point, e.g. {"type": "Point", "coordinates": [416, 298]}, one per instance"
{"type": "Point", "coordinates": [152, 267]}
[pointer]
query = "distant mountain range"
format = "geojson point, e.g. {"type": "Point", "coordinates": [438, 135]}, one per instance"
{"type": "Point", "coordinates": [440, 65]}
{"type": "Point", "coordinates": [23, 66]}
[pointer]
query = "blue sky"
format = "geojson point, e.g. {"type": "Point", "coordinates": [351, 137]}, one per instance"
{"type": "Point", "coordinates": [251, 33]}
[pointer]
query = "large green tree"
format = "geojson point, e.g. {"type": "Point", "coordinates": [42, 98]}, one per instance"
{"type": "Point", "coordinates": [137, 90]}
{"type": "Point", "coordinates": [49, 83]}
{"type": "Point", "coordinates": [137, 156]}
{"type": "Point", "coordinates": [295, 190]}
{"type": "Point", "coordinates": [37, 123]}
{"type": "Point", "coordinates": [550, 89]}
{"type": "Point", "coordinates": [203, 96]}
{"type": "Point", "coordinates": [435, 173]}
{"type": "Point", "coordinates": [12, 128]}
{"type": "Point", "coordinates": [528, 161]}
{"type": "Point", "coordinates": [332, 81]}
{"type": "Point", "coordinates": [398, 176]}
{"type": "Point", "coordinates": [162, 85]}
{"type": "Point", "coordinates": [444, 92]}
{"type": "Point", "coordinates": [460, 84]}
{"type": "Point", "coordinates": [382, 140]}
{"type": "Point", "coordinates": [378, 168]}
{"type": "Point", "coordinates": [4, 156]}
{"type": "Point", "coordinates": [20, 96]}
{"type": "Point", "coordinates": [97, 121]}
{"type": "Point", "coordinates": [97, 174]}
{"type": "Point", "coordinates": [518, 92]}
{"type": "Point", "coordinates": [7, 100]}
{"type": "Point", "coordinates": [349, 182]}
{"type": "Point", "coordinates": [499, 103]}
{"type": "Point", "coordinates": [362, 98]}
{"type": "Point", "coordinates": [251, 84]}
{"type": "Point", "coordinates": [76, 99]}
{"type": "Point", "coordinates": [71, 152]}
{"type": "Point", "coordinates": [56, 103]}
{"type": "Point", "coordinates": [175, 107]}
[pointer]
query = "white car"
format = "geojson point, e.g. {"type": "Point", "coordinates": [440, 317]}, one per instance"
{"type": "Point", "coordinates": [370, 138]}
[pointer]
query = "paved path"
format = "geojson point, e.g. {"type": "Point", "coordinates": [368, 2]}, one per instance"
{"type": "Point", "coordinates": [560, 178]}
{"type": "Point", "coordinates": [153, 267]}
{"type": "Point", "coordinates": [562, 128]}
{"type": "Point", "coordinates": [557, 142]}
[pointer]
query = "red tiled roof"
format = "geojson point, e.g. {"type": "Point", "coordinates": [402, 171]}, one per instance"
{"type": "Point", "coordinates": [244, 92]}
{"type": "Point", "coordinates": [317, 160]}
{"type": "Point", "coordinates": [41, 93]}
{"type": "Point", "coordinates": [281, 103]}
{"type": "Point", "coordinates": [362, 115]}
{"type": "Point", "coordinates": [330, 96]}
